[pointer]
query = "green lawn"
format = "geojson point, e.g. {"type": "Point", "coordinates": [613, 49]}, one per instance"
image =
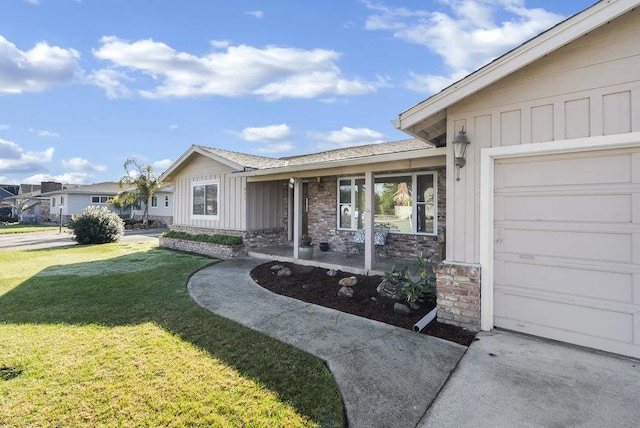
{"type": "Point", "coordinates": [108, 336]}
{"type": "Point", "coordinates": [26, 228]}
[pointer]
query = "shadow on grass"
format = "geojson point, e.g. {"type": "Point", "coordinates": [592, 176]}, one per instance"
{"type": "Point", "coordinates": [137, 288]}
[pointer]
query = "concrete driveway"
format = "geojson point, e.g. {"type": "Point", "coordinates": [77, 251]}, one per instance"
{"type": "Point", "coordinates": [512, 380]}
{"type": "Point", "coordinates": [51, 239]}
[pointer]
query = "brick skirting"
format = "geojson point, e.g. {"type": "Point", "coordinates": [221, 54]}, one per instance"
{"type": "Point", "coordinates": [458, 294]}
{"type": "Point", "coordinates": [204, 248]}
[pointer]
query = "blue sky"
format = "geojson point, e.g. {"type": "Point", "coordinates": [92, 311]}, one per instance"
{"type": "Point", "coordinates": [85, 84]}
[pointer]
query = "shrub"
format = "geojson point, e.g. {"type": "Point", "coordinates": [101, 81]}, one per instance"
{"type": "Point", "coordinates": [97, 225]}
{"type": "Point", "coordinates": [215, 239]}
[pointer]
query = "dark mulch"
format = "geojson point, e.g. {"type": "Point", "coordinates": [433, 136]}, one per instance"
{"type": "Point", "coordinates": [313, 285]}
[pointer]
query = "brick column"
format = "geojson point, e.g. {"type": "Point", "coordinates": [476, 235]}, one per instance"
{"type": "Point", "coordinates": [458, 294]}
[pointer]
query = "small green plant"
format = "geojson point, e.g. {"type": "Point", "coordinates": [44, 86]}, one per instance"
{"type": "Point", "coordinates": [97, 225]}
{"type": "Point", "coordinates": [215, 239]}
{"type": "Point", "coordinates": [416, 290]}
{"type": "Point", "coordinates": [305, 241]}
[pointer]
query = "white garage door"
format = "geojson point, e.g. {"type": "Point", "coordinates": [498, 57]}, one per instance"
{"type": "Point", "coordinates": [567, 248]}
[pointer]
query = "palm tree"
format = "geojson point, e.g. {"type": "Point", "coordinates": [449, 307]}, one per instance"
{"type": "Point", "coordinates": [144, 181]}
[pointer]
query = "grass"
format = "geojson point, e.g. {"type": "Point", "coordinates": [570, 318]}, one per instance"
{"type": "Point", "coordinates": [108, 336]}
{"type": "Point", "coordinates": [26, 228]}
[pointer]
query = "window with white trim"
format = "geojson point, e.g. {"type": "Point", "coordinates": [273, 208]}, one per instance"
{"type": "Point", "coordinates": [407, 202]}
{"type": "Point", "coordinates": [154, 201]}
{"type": "Point", "coordinates": [204, 199]}
{"type": "Point", "coordinates": [53, 202]}
{"type": "Point", "coordinates": [99, 199]}
{"type": "Point", "coordinates": [166, 201]}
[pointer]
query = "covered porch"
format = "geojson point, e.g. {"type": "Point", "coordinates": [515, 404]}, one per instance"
{"type": "Point", "coordinates": [354, 263]}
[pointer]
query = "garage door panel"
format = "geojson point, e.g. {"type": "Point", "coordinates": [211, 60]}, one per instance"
{"type": "Point", "coordinates": [564, 171]}
{"type": "Point", "coordinates": [606, 286]}
{"type": "Point", "coordinates": [582, 208]}
{"type": "Point", "coordinates": [570, 317]}
{"type": "Point", "coordinates": [612, 247]}
{"type": "Point", "coordinates": [567, 247]}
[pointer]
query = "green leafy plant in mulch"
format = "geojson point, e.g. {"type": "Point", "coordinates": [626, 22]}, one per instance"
{"type": "Point", "coordinates": [415, 290]}
{"type": "Point", "coordinates": [215, 239]}
{"type": "Point", "coordinates": [107, 335]}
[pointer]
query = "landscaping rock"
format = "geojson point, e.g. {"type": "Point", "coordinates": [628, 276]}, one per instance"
{"type": "Point", "coordinates": [391, 289]}
{"type": "Point", "coordinates": [276, 268]}
{"type": "Point", "coordinates": [346, 292]}
{"type": "Point", "coordinates": [348, 282]}
{"type": "Point", "coordinates": [285, 271]}
{"type": "Point", "coordinates": [332, 272]}
{"type": "Point", "coordinates": [401, 309]}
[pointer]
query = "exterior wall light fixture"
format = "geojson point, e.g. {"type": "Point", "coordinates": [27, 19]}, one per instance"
{"type": "Point", "coordinates": [460, 144]}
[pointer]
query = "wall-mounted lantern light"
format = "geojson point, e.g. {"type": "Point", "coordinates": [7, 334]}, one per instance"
{"type": "Point", "coordinates": [460, 144]}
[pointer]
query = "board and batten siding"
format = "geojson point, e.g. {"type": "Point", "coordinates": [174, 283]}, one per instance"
{"type": "Point", "coordinates": [232, 215]}
{"type": "Point", "coordinates": [589, 87]}
{"type": "Point", "coordinates": [265, 205]}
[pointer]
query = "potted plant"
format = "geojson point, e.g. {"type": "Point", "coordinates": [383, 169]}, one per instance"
{"type": "Point", "coordinates": [324, 246]}
{"type": "Point", "coordinates": [305, 249]}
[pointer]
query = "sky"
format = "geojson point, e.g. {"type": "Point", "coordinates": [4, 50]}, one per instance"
{"type": "Point", "coordinates": [86, 84]}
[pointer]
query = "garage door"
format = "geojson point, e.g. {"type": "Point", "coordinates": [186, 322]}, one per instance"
{"type": "Point", "coordinates": [567, 248]}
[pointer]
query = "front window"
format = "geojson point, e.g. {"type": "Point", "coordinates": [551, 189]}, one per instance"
{"type": "Point", "coordinates": [53, 202]}
{"type": "Point", "coordinates": [406, 202]}
{"type": "Point", "coordinates": [351, 203]}
{"type": "Point", "coordinates": [205, 199]}
{"type": "Point", "coordinates": [166, 201]}
{"type": "Point", "coordinates": [154, 201]}
{"type": "Point", "coordinates": [99, 199]}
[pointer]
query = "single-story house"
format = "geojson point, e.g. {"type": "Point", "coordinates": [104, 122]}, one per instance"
{"type": "Point", "coordinates": [544, 222]}
{"type": "Point", "coordinates": [72, 199]}
{"type": "Point", "coordinates": [29, 204]}
{"type": "Point", "coordinates": [535, 228]}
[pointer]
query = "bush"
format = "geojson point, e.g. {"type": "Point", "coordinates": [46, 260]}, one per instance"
{"type": "Point", "coordinates": [97, 225]}
{"type": "Point", "coordinates": [215, 239]}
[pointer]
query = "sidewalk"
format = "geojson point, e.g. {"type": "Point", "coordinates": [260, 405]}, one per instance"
{"type": "Point", "coordinates": [388, 376]}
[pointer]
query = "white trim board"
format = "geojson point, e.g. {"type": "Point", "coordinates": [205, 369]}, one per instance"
{"type": "Point", "coordinates": [487, 164]}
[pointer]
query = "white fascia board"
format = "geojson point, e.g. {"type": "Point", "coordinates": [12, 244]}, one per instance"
{"type": "Point", "coordinates": [541, 45]}
{"type": "Point", "coordinates": [427, 152]}
{"type": "Point", "coordinates": [165, 176]}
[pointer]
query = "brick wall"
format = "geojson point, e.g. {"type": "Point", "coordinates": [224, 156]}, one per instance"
{"type": "Point", "coordinates": [266, 238]}
{"type": "Point", "coordinates": [458, 295]}
{"type": "Point", "coordinates": [323, 223]}
{"type": "Point", "coordinates": [204, 248]}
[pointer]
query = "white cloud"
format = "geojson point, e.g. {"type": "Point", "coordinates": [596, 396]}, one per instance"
{"type": "Point", "coordinates": [79, 164]}
{"type": "Point", "coordinates": [430, 83]}
{"type": "Point", "coordinates": [256, 13]}
{"type": "Point", "coordinates": [471, 35]}
{"type": "Point", "coordinates": [346, 137]}
{"type": "Point", "coordinates": [14, 159]}
{"type": "Point", "coordinates": [173, 127]}
{"type": "Point", "coordinates": [111, 81]}
{"type": "Point", "coordinates": [267, 133]}
{"type": "Point", "coordinates": [162, 164]}
{"type": "Point", "coordinates": [45, 134]}
{"type": "Point", "coordinates": [4, 127]}
{"type": "Point", "coordinates": [36, 69]}
{"type": "Point", "coordinates": [272, 72]}
{"type": "Point", "coordinates": [67, 178]}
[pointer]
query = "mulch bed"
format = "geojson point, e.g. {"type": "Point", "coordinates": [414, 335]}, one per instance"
{"type": "Point", "coordinates": [313, 285]}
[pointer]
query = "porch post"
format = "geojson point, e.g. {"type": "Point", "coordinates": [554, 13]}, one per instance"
{"type": "Point", "coordinates": [369, 249]}
{"type": "Point", "coordinates": [297, 215]}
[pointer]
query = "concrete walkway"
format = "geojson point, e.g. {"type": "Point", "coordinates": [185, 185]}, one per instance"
{"type": "Point", "coordinates": [388, 376]}
{"type": "Point", "coordinates": [513, 380]}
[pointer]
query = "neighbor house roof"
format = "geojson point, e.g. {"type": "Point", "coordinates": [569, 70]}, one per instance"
{"type": "Point", "coordinates": [253, 164]}
{"type": "Point", "coordinates": [427, 120]}
{"type": "Point", "coordinates": [104, 188]}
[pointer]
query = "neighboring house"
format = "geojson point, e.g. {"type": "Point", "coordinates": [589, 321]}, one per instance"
{"type": "Point", "coordinates": [543, 228]}
{"type": "Point", "coordinates": [74, 198]}
{"type": "Point", "coordinates": [273, 202]}
{"type": "Point", "coordinates": [29, 204]}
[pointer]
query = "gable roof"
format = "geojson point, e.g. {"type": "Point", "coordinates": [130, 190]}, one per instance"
{"type": "Point", "coordinates": [427, 119]}
{"type": "Point", "coordinates": [259, 165]}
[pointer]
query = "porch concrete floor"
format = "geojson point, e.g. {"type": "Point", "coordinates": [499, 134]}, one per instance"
{"type": "Point", "coordinates": [333, 260]}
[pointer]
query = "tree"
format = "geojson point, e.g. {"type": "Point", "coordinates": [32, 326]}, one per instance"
{"type": "Point", "coordinates": [144, 181]}
{"type": "Point", "coordinates": [123, 201]}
